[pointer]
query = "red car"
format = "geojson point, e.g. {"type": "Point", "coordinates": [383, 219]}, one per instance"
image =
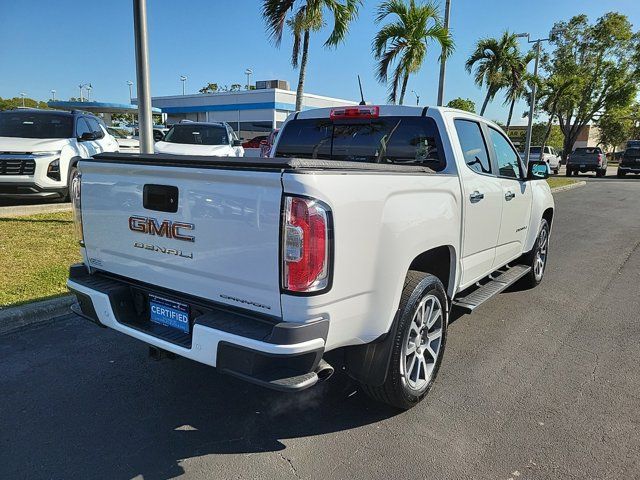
{"type": "Point", "coordinates": [254, 142]}
{"type": "Point", "coordinates": [267, 143]}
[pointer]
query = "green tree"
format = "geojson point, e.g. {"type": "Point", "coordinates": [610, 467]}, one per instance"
{"type": "Point", "coordinates": [602, 60]}
{"type": "Point", "coordinates": [617, 126]}
{"type": "Point", "coordinates": [209, 88]}
{"type": "Point", "coordinates": [492, 59]}
{"type": "Point", "coordinates": [516, 79]}
{"type": "Point", "coordinates": [16, 102]}
{"type": "Point", "coordinates": [404, 42]}
{"type": "Point", "coordinates": [552, 91]}
{"type": "Point", "coordinates": [465, 104]}
{"type": "Point", "coordinates": [304, 17]}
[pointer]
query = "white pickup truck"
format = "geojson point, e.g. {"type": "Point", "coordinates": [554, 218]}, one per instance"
{"type": "Point", "coordinates": [356, 240]}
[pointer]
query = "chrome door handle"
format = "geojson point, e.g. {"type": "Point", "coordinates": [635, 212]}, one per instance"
{"type": "Point", "coordinates": [509, 196]}
{"type": "Point", "coordinates": [476, 196]}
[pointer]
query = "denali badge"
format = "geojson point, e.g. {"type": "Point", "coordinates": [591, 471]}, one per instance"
{"type": "Point", "coordinates": [166, 228]}
{"type": "Point", "coordinates": [159, 249]}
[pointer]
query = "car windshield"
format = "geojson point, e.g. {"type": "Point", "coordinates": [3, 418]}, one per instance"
{"type": "Point", "coordinates": [405, 140]}
{"type": "Point", "coordinates": [118, 133]}
{"type": "Point", "coordinates": [632, 152]}
{"type": "Point", "coordinates": [25, 124]}
{"type": "Point", "coordinates": [587, 150]}
{"type": "Point", "coordinates": [197, 134]}
{"type": "Point", "coordinates": [535, 150]}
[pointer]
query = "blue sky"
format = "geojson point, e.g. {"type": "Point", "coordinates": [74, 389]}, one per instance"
{"type": "Point", "coordinates": [59, 44]}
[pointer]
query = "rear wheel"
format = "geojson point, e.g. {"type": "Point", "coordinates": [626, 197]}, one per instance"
{"type": "Point", "coordinates": [600, 173]}
{"type": "Point", "coordinates": [568, 172]}
{"type": "Point", "coordinates": [418, 345]}
{"type": "Point", "coordinates": [537, 257]}
{"type": "Point", "coordinates": [621, 174]}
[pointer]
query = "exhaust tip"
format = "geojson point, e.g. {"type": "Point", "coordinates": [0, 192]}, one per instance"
{"type": "Point", "coordinates": [324, 371]}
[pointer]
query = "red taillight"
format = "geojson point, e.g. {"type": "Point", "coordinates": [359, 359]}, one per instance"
{"type": "Point", "coordinates": [362, 111]}
{"type": "Point", "coordinates": [305, 254]}
{"type": "Point", "coordinates": [599, 159]}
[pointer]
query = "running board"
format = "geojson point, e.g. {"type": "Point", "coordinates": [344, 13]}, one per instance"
{"type": "Point", "coordinates": [498, 281]}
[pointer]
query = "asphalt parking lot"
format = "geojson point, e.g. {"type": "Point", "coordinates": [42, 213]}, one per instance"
{"type": "Point", "coordinates": [541, 383]}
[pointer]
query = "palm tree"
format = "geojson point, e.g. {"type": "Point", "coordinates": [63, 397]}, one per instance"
{"type": "Point", "coordinates": [516, 80]}
{"type": "Point", "coordinates": [404, 41]}
{"type": "Point", "coordinates": [304, 17]}
{"type": "Point", "coordinates": [554, 90]}
{"type": "Point", "coordinates": [492, 58]}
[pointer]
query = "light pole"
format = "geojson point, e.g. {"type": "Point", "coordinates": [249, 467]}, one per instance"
{"type": "Point", "coordinates": [532, 99]}
{"type": "Point", "coordinates": [23, 95]}
{"type": "Point", "coordinates": [183, 79]}
{"type": "Point", "coordinates": [443, 60]}
{"type": "Point", "coordinates": [145, 120]}
{"type": "Point", "coordinates": [81, 87]}
{"type": "Point", "coordinates": [53, 95]}
{"type": "Point", "coordinates": [248, 72]}
{"type": "Point", "coordinates": [417, 97]}
{"type": "Point", "coordinates": [89, 88]}
{"type": "Point", "coordinates": [130, 83]}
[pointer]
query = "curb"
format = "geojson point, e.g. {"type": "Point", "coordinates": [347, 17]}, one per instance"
{"type": "Point", "coordinates": [581, 183]}
{"type": "Point", "coordinates": [15, 318]}
{"type": "Point", "coordinates": [23, 210]}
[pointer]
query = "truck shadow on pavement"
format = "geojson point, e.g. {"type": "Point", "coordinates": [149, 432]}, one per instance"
{"type": "Point", "coordinates": [103, 409]}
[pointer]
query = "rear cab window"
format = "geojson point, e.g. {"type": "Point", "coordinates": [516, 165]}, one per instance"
{"type": "Point", "coordinates": [404, 140]}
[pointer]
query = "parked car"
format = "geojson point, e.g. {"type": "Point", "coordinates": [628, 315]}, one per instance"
{"type": "Point", "coordinates": [201, 138]}
{"type": "Point", "coordinates": [159, 131]}
{"type": "Point", "coordinates": [126, 142]}
{"type": "Point", "coordinates": [39, 150]}
{"type": "Point", "coordinates": [358, 237]}
{"type": "Point", "coordinates": [254, 142]}
{"type": "Point", "coordinates": [265, 145]}
{"type": "Point", "coordinates": [630, 162]}
{"type": "Point", "coordinates": [587, 159]}
{"type": "Point", "coordinates": [550, 156]}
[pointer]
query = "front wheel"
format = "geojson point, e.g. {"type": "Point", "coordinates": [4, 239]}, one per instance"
{"type": "Point", "coordinates": [418, 344]}
{"type": "Point", "coordinates": [73, 173]}
{"type": "Point", "coordinates": [537, 257]}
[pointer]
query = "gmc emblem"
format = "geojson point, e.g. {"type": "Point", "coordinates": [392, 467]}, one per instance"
{"type": "Point", "coordinates": [166, 228]}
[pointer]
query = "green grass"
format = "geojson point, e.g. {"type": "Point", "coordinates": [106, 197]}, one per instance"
{"type": "Point", "coordinates": [560, 181]}
{"type": "Point", "coordinates": [35, 254]}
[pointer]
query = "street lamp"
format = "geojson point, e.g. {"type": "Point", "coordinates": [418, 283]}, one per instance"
{"type": "Point", "coordinates": [23, 95]}
{"type": "Point", "coordinates": [130, 83]}
{"type": "Point", "coordinates": [532, 100]}
{"type": "Point", "coordinates": [248, 72]}
{"type": "Point", "coordinates": [53, 95]}
{"type": "Point", "coordinates": [81, 87]}
{"type": "Point", "coordinates": [443, 60]}
{"type": "Point", "coordinates": [183, 79]}
{"type": "Point", "coordinates": [417, 97]}
{"type": "Point", "coordinates": [89, 88]}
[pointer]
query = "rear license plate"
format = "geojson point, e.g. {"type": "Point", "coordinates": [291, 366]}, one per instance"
{"type": "Point", "coordinates": [169, 313]}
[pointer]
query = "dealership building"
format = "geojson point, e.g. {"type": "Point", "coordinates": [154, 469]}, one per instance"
{"type": "Point", "coordinates": [249, 112]}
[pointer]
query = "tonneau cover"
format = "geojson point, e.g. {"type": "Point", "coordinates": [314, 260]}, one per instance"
{"type": "Point", "coordinates": [253, 163]}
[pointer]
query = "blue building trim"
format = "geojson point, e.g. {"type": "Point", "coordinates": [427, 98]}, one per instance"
{"type": "Point", "coordinates": [231, 107]}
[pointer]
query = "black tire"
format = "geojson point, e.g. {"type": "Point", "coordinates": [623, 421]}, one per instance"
{"type": "Point", "coordinates": [568, 172]}
{"type": "Point", "coordinates": [532, 278]}
{"type": "Point", "coordinates": [600, 173]}
{"type": "Point", "coordinates": [621, 174]}
{"type": "Point", "coordinates": [396, 390]}
{"type": "Point", "coordinates": [555, 171]}
{"type": "Point", "coordinates": [72, 172]}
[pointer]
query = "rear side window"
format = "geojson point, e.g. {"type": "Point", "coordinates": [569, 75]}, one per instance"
{"type": "Point", "coordinates": [473, 146]}
{"type": "Point", "coordinates": [394, 139]}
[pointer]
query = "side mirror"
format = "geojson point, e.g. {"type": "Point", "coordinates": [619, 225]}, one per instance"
{"type": "Point", "coordinates": [237, 143]}
{"type": "Point", "coordinates": [88, 136]}
{"type": "Point", "coordinates": [537, 170]}
{"type": "Point", "coordinates": [157, 136]}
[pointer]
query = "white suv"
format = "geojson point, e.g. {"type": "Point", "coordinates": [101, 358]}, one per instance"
{"type": "Point", "coordinates": [201, 138]}
{"type": "Point", "coordinates": [39, 150]}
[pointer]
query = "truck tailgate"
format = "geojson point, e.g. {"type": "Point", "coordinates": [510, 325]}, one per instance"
{"type": "Point", "coordinates": [221, 243]}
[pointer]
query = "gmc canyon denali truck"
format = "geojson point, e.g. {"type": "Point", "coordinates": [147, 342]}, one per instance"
{"type": "Point", "coordinates": [39, 150]}
{"type": "Point", "coordinates": [357, 238]}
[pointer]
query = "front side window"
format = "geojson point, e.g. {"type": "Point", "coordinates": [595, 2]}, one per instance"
{"type": "Point", "coordinates": [507, 158]}
{"type": "Point", "coordinates": [473, 146]}
{"type": "Point", "coordinates": [194, 134]}
{"type": "Point", "coordinates": [29, 124]}
{"type": "Point", "coordinates": [95, 127]}
{"type": "Point", "coordinates": [82, 127]}
{"type": "Point", "coordinates": [392, 139]}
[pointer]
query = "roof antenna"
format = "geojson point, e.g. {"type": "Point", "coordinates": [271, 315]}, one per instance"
{"type": "Point", "coordinates": [362, 102]}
